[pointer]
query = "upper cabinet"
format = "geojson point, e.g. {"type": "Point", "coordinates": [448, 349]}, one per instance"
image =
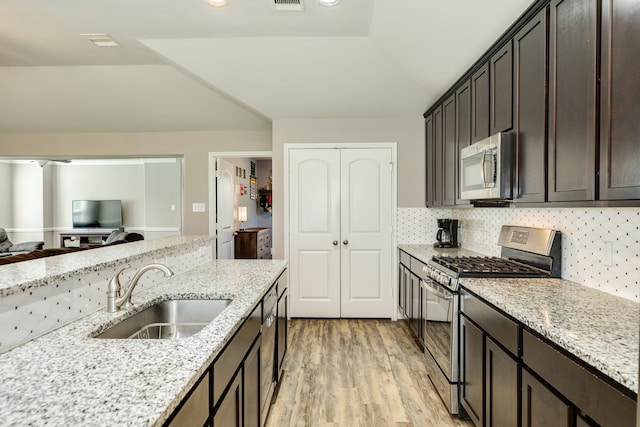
{"type": "Point", "coordinates": [480, 104]}
{"type": "Point", "coordinates": [429, 160]}
{"type": "Point", "coordinates": [501, 88]}
{"type": "Point", "coordinates": [619, 101]}
{"type": "Point", "coordinates": [573, 31]}
{"type": "Point", "coordinates": [530, 83]}
{"type": "Point", "coordinates": [562, 79]}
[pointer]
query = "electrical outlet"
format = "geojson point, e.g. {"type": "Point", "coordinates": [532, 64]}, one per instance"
{"type": "Point", "coordinates": [607, 254]}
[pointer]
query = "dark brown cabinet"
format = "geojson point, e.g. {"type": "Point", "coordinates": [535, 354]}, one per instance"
{"type": "Point", "coordinates": [541, 407]}
{"type": "Point", "coordinates": [253, 243]}
{"type": "Point", "coordinates": [282, 338]}
{"type": "Point", "coordinates": [230, 412]}
{"type": "Point", "coordinates": [573, 55]}
{"type": "Point", "coordinates": [530, 81]}
{"type": "Point", "coordinates": [251, 377]}
{"type": "Point", "coordinates": [501, 87]}
{"type": "Point", "coordinates": [463, 131]}
{"type": "Point", "coordinates": [619, 101]}
{"type": "Point", "coordinates": [472, 370]}
{"type": "Point", "coordinates": [501, 386]}
{"type": "Point", "coordinates": [414, 318]}
{"type": "Point", "coordinates": [480, 104]}
{"type": "Point", "coordinates": [449, 154]}
{"type": "Point", "coordinates": [429, 160]}
{"type": "Point", "coordinates": [438, 159]}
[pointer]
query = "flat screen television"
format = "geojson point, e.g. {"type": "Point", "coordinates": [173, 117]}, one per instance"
{"type": "Point", "coordinates": [97, 213]}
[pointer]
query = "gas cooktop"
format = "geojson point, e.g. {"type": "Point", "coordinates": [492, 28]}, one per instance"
{"type": "Point", "coordinates": [488, 267]}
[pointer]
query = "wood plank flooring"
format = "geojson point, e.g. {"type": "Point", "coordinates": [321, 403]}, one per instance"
{"type": "Point", "coordinates": [356, 372]}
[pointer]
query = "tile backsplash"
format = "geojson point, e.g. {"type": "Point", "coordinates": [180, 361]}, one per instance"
{"type": "Point", "coordinates": [586, 234]}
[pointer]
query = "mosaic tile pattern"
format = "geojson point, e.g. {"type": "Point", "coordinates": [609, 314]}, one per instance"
{"type": "Point", "coordinates": [584, 231]}
{"type": "Point", "coordinates": [32, 311]}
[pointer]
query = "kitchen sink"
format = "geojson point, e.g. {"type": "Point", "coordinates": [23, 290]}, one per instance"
{"type": "Point", "coordinates": [171, 319]}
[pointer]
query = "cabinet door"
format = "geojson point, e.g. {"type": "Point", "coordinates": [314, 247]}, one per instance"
{"type": "Point", "coordinates": [283, 332]}
{"type": "Point", "coordinates": [463, 131]}
{"type": "Point", "coordinates": [229, 413]}
{"type": "Point", "coordinates": [619, 102]}
{"type": "Point", "coordinates": [501, 387]}
{"type": "Point", "coordinates": [449, 151]}
{"type": "Point", "coordinates": [480, 104]}
{"type": "Point", "coordinates": [438, 159]}
{"type": "Point", "coordinates": [429, 160]}
{"type": "Point", "coordinates": [415, 304]}
{"type": "Point", "coordinates": [541, 407]}
{"type": "Point", "coordinates": [501, 99]}
{"type": "Point", "coordinates": [472, 370]}
{"type": "Point", "coordinates": [573, 50]}
{"type": "Point", "coordinates": [530, 68]}
{"type": "Point", "coordinates": [195, 409]}
{"type": "Point", "coordinates": [251, 387]}
{"type": "Point", "coordinates": [402, 288]}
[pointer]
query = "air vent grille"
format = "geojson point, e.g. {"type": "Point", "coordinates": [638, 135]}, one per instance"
{"type": "Point", "coordinates": [288, 5]}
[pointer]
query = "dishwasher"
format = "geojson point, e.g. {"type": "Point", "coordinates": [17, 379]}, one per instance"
{"type": "Point", "coordinates": [267, 351]}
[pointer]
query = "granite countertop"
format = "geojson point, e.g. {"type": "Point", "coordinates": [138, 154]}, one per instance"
{"type": "Point", "coordinates": [41, 271]}
{"type": "Point", "coordinates": [68, 378]}
{"type": "Point", "coordinates": [599, 328]}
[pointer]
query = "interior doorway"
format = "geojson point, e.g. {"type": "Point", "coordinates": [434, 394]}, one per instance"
{"type": "Point", "coordinates": [239, 197]}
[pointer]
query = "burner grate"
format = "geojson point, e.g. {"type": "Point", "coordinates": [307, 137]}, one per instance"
{"type": "Point", "coordinates": [488, 266]}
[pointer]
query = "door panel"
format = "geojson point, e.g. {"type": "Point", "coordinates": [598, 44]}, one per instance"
{"type": "Point", "coordinates": [366, 233]}
{"type": "Point", "coordinates": [224, 207]}
{"type": "Point", "coordinates": [314, 224]}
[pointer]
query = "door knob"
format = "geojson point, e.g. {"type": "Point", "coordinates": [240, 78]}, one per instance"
{"type": "Point", "coordinates": [335, 243]}
{"type": "Point", "coordinates": [345, 242]}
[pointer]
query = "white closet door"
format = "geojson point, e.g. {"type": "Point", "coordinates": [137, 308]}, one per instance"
{"type": "Point", "coordinates": [224, 208]}
{"type": "Point", "coordinates": [366, 232]}
{"type": "Point", "coordinates": [314, 232]}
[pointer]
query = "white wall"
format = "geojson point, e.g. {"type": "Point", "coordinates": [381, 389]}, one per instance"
{"type": "Point", "coordinates": [163, 197]}
{"type": "Point", "coordinates": [101, 182]}
{"type": "Point", "coordinates": [584, 231]}
{"type": "Point", "coordinates": [408, 133]}
{"type": "Point", "coordinates": [6, 195]}
{"type": "Point", "coordinates": [27, 203]}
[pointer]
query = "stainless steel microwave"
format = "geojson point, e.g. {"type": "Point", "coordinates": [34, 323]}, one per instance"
{"type": "Point", "coordinates": [487, 168]}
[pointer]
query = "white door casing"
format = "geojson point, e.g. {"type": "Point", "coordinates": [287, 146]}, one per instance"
{"type": "Point", "coordinates": [314, 229]}
{"type": "Point", "coordinates": [341, 232]}
{"type": "Point", "coordinates": [224, 207]}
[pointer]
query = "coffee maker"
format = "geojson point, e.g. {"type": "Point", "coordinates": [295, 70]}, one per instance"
{"type": "Point", "coordinates": [447, 235]}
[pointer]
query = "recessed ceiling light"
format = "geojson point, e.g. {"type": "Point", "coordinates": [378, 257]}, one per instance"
{"type": "Point", "coordinates": [328, 3]}
{"type": "Point", "coordinates": [216, 3]}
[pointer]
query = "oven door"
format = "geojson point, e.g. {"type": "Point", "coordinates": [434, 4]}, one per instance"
{"type": "Point", "coordinates": [440, 327]}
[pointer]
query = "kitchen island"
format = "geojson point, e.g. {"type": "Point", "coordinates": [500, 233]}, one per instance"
{"type": "Point", "coordinates": [66, 377]}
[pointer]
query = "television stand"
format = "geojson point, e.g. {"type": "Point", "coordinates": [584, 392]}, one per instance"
{"type": "Point", "coordinates": [82, 240]}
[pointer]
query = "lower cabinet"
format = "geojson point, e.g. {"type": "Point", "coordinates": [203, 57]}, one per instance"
{"type": "Point", "coordinates": [540, 406]}
{"type": "Point", "coordinates": [230, 411]}
{"type": "Point", "coordinates": [229, 392]}
{"type": "Point", "coordinates": [510, 376]}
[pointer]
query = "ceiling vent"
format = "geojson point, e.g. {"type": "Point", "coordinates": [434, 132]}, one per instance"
{"type": "Point", "coordinates": [101, 39]}
{"type": "Point", "coordinates": [288, 5]}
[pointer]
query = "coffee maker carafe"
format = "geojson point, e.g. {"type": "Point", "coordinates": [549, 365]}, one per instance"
{"type": "Point", "coordinates": [447, 234]}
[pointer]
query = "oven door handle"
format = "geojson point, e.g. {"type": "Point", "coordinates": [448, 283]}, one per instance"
{"type": "Point", "coordinates": [436, 292]}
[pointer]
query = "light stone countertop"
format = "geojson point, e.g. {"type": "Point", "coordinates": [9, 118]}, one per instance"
{"type": "Point", "coordinates": [597, 327]}
{"type": "Point", "coordinates": [68, 378]}
{"type": "Point", "coordinates": [38, 272]}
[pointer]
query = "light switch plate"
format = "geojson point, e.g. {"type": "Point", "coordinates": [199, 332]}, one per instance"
{"type": "Point", "coordinates": [199, 207]}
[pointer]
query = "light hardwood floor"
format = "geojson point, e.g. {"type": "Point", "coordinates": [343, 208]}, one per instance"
{"type": "Point", "coordinates": [356, 372]}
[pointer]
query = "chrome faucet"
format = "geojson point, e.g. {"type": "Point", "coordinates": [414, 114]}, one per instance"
{"type": "Point", "coordinates": [116, 299]}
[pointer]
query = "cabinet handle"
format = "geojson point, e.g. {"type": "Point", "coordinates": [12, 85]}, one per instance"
{"type": "Point", "coordinates": [345, 242]}
{"type": "Point", "coordinates": [335, 243]}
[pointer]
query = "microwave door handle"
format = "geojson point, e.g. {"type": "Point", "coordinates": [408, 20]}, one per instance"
{"type": "Point", "coordinates": [482, 165]}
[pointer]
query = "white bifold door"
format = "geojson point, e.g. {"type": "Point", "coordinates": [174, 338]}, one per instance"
{"type": "Point", "coordinates": [340, 232]}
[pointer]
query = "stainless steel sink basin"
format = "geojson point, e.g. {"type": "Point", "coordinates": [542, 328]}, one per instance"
{"type": "Point", "coordinates": [171, 319]}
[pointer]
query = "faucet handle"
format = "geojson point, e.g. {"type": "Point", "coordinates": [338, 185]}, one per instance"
{"type": "Point", "coordinates": [114, 290]}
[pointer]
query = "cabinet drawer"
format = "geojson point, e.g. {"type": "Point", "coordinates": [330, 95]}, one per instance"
{"type": "Point", "coordinates": [595, 398]}
{"type": "Point", "coordinates": [501, 328]}
{"type": "Point", "coordinates": [417, 267]}
{"type": "Point", "coordinates": [405, 258]}
{"type": "Point", "coordinates": [231, 357]}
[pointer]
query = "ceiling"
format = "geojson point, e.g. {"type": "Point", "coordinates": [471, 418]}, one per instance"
{"type": "Point", "coordinates": [182, 65]}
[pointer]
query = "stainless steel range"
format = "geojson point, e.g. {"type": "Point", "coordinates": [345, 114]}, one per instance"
{"type": "Point", "coordinates": [525, 252]}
